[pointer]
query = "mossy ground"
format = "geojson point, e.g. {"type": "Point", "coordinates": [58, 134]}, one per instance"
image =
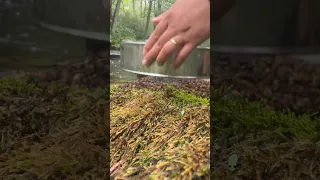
{"type": "Point", "coordinates": [159, 134]}
{"type": "Point", "coordinates": [268, 144]}
{"type": "Point", "coordinates": [61, 133]}
{"type": "Point", "coordinates": [52, 133]}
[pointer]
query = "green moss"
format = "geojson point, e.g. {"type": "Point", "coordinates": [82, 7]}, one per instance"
{"type": "Point", "coordinates": [238, 116]}
{"type": "Point", "coordinates": [114, 89]}
{"type": "Point", "coordinates": [269, 144]}
{"type": "Point", "coordinates": [10, 86]}
{"type": "Point", "coordinates": [183, 98]}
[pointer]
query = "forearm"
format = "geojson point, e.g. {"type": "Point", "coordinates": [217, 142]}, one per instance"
{"type": "Point", "coordinates": [219, 8]}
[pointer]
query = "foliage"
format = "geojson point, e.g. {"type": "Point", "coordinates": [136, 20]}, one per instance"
{"type": "Point", "coordinates": [122, 33]}
{"type": "Point", "coordinates": [132, 21]}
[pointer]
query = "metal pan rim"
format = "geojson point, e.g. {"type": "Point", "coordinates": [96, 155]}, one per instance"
{"type": "Point", "coordinates": [165, 76]}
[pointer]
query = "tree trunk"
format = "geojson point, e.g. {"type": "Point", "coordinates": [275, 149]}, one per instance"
{"type": "Point", "coordinates": [158, 11]}
{"type": "Point", "coordinates": [148, 19]}
{"type": "Point", "coordinates": [145, 8]}
{"type": "Point", "coordinates": [134, 6]}
{"type": "Point", "coordinates": [159, 8]}
{"type": "Point", "coordinates": [111, 13]}
{"type": "Point", "coordinates": [115, 16]}
{"type": "Point", "coordinates": [141, 8]}
{"type": "Point", "coordinates": [155, 7]}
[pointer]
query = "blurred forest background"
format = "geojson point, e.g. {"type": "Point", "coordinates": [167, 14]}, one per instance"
{"type": "Point", "coordinates": [132, 19]}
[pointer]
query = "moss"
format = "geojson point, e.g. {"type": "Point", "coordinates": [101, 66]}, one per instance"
{"type": "Point", "coordinates": [155, 139]}
{"type": "Point", "coordinates": [238, 116]}
{"type": "Point", "coordinates": [47, 131]}
{"type": "Point", "coordinates": [114, 89]}
{"type": "Point", "coordinates": [269, 144]}
{"type": "Point", "coordinates": [9, 86]}
{"type": "Point", "coordinates": [181, 97]}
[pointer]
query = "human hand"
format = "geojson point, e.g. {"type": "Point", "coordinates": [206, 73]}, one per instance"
{"type": "Point", "coordinates": [187, 23]}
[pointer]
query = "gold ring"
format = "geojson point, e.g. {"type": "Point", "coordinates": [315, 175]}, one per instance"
{"type": "Point", "coordinates": [174, 42]}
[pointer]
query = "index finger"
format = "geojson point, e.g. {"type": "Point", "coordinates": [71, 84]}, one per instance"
{"type": "Point", "coordinates": [156, 34]}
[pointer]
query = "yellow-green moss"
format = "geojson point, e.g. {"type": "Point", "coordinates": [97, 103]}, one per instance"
{"type": "Point", "coordinates": [182, 97]}
{"type": "Point", "coordinates": [155, 139]}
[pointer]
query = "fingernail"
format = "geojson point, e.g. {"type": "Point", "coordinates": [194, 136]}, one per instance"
{"type": "Point", "coordinates": [145, 62]}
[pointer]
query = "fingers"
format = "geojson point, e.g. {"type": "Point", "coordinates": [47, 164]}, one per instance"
{"type": "Point", "coordinates": [153, 53]}
{"type": "Point", "coordinates": [157, 19]}
{"type": "Point", "coordinates": [183, 55]}
{"type": "Point", "coordinates": [160, 29]}
{"type": "Point", "coordinates": [169, 48]}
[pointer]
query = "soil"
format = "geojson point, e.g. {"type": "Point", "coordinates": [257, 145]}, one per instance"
{"type": "Point", "coordinates": [283, 83]}
{"type": "Point", "coordinates": [198, 87]}
{"type": "Point", "coordinates": [93, 72]}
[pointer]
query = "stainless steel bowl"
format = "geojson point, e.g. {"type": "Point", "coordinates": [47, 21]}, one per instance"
{"type": "Point", "coordinates": [197, 65]}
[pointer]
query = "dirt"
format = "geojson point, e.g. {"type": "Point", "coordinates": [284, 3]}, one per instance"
{"type": "Point", "coordinates": [93, 72]}
{"type": "Point", "coordinates": [194, 86]}
{"type": "Point", "coordinates": [283, 83]}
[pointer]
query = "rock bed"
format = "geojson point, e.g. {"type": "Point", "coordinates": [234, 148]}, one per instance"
{"type": "Point", "coordinates": [281, 83]}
